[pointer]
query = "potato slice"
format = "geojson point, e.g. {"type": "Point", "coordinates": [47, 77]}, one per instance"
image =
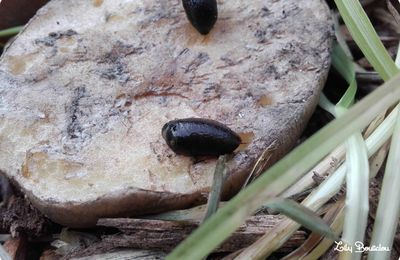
{"type": "Point", "coordinates": [87, 86]}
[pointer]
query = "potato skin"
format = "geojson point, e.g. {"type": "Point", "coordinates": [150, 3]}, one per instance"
{"type": "Point", "coordinates": [200, 137]}
{"type": "Point", "coordinates": [202, 14]}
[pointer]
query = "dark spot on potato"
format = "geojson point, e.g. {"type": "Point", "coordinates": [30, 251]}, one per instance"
{"type": "Point", "coordinates": [74, 127]}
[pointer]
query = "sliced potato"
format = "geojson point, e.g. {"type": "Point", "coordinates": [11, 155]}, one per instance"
{"type": "Point", "coordinates": [87, 86]}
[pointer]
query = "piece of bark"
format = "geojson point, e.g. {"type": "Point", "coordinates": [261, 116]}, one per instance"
{"type": "Point", "coordinates": [126, 255]}
{"type": "Point", "coordinates": [84, 98]}
{"type": "Point", "coordinates": [166, 235]}
{"type": "Point", "coordinates": [16, 248]}
{"type": "Point", "coordinates": [163, 235]}
{"type": "Point", "coordinates": [19, 217]}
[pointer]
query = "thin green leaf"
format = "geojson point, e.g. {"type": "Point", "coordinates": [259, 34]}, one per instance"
{"type": "Point", "coordinates": [326, 104]}
{"type": "Point", "coordinates": [388, 211]}
{"type": "Point", "coordinates": [366, 37]}
{"type": "Point", "coordinates": [314, 239]}
{"type": "Point", "coordinates": [263, 247]}
{"type": "Point", "coordinates": [357, 184]}
{"type": "Point", "coordinates": [325, 244]}
{"type": "Point", "coordinates": [357, 175]}
{"type": "Point", "coordinates": [284, 173]}
{"type": "Point", "coordinates": [326, 166]}
{"type": "Point", "coordinates": [192, 214]}
{"type": "Point", "coordinates": [346, 68]}
{"type": "Point", "coordinates": [218, 181]}
{"type": "Point", "coordinates": [10, 31]}
{"type": "Point", "coordinates": [339, 36]}
{"type": "Point", "coordinates": [302, 215]}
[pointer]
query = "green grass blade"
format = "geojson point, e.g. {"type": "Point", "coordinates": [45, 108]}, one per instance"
{"type": "Point", "coordinates": [303, 216]}
{"type": "Point", "coordinates": [357, 172]}
{"type": "Point", "coordinates": [263, 247]}
{"type": "Point", "coordinates": [192, 214]}
{"type": "Point", "coordinates": [322, 194]}
{"type": "Point", "coordinates": [326, 104]}
{"type": "Point", "coordinates": [388, 211]}
{"type": "Point", "coordinates": [357, 183]}
{"type": "Point", "coordinates": [215, 194]}
{"type": "Point", "coordinates": [10, 31]}
{"type": "Point", "coordinates": [325, 244]}
{"type": "Point", "coordinates": [339, 36]}
{"type": "Point", "coordinates": [284, 173]}
{"type": "Point", "coordinates": [366, 37]}
{"type": "Point", "coordinates": [345, 67]}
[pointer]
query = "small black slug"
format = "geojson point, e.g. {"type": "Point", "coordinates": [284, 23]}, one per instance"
{"type": "Point", "coordinates": [202, 14]}
{"type": "Point", "coordinates": [199, 137]}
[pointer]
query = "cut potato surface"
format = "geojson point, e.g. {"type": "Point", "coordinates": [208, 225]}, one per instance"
{"type": "Point", "coordinates": [87, 86]}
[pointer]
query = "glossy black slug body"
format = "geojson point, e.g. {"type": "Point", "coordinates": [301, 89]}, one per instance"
{"type": "Point", "coordinates": [199, 137]}
{"type": "Point", "coordinates": [202, 14]}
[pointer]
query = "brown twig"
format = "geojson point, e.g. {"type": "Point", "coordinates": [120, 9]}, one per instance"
{"type": "Point", "coordinates": [165, 235]}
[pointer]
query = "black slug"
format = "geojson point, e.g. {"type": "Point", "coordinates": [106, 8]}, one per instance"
{"type": "Point", "coordinates": [202, 14]}
{"type": "Point", "coordinates": [199, 137]}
